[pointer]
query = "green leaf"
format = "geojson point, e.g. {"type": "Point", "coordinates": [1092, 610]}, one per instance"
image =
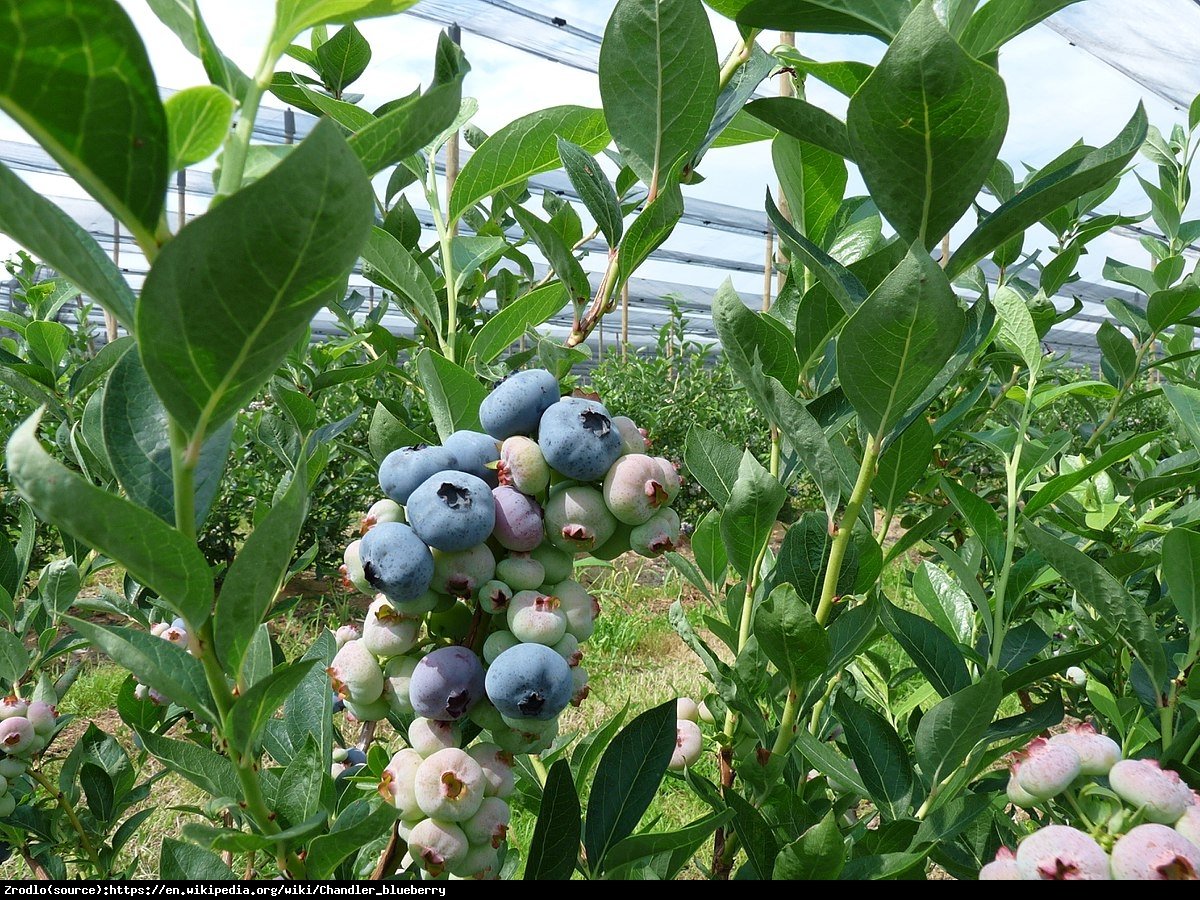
{"type": "Point", "coordinates": [183, 17]}
{"type": "Point", "coordinates": [804, 556]}
{"type": "Point", "coordinates": [250, 713]}
{"type": "Point", "coordinates": [658, 81]}
{"type": "Point", "coordinates": [473, 252]}
{"type": "Point", "coordinates": [981, 518]}
{"type": "Point", "coordinates": [567, 268]}
{"type": "Point", "coordinates": [1017, 327]}
{"type": "Point", "coordinates": [817, 855]}
{"type": "Point", "coordinates": [1096, 588]}
{"type": "Point", "coordinates": [554, 847]}
{"type": "Point", "coordinates": [822, 757]}
{"type": "Point", "coordinates": [54, 237]}
{"type": "Point", "coordinates": [805, 122]}
{"type": "Point", "coordinates": [814, 182]}
{"type": "Point", "coordinates": [309, 710]}
{"type": "Point", "coordinates": [712, 461]}
{"type": "Point", "coordinates": [950, 730]}
{"type": "Point", "coordinates": [1061, 484]}
{"type": "Point", "coordinates": [925, 129]}
{"type": "Point", "coordinates": [928, 646]}
{"type": "Point", "coordinates": [454, 395]}
{"type": "Point", "coordinates": [749, 515]}
{"type": "Point", "coordinates": [243, 287]}
{"type": "Point", "coordinates": [295, 16]}
{"type": "Point", "coordinates": [138, 445]}
{"type": "Point", "coordinates": [1172, 305]}
{"type": "Point", "coordinates": [299, 796]}
{"type": "Point", "coordinates": [752, 340]}
{"type": "Point", "coordinates": [837, 279]}
{"type": "Point", "coordinates": [898, 340]}
{"type": "Point", "coordinates": [257, 573]}
{"type": "Point", "coordinates": [357, 825]}
{"type": "Point", "coordinates": [593, 188]}
{"type": "Point", "coordinates": [343, 58]}
{"type": "Point", "coordinates": [998, 23]}
{"type": "Point", "coordinates": [1185, 401]}
{"type": "Point", "coordinates": [524, 148]}
{"type": "Point", "coordinates": [198, 122]}
{"type": "Point", "coordinates": [647, 232]}
{"type": "Point", "coordinates": [627, 779]}
{"type": "Point", "coordinates": [877, 18]}
{"type": "Point", "coordinates": [178, 861]}
{"type": "Point", "coordinates": [946, 602]}
{"type": "Point", "coordinates": [155, 554]}
{"type": "Point", "coordinates": [1119, 359]}
{"type": "Point", "coordinates": [688, 838]}
{"type": "Point", "coordinates": [501, 330]}
{"type": "Point", "coordinates": [790, 636]}
{"type": "Point", "coordinates": [59, 586]}
{"type": "Point", "coordinates": [1050, 192]}
{"type": "Point", "coordinates": [156, 663]}
{"type": "Point", "coordinates": [391, 266]}
{"type": "Point", "coordinates": [883, 764]}
{"type": "Point", "coordinates": [1181, 572]}
{"type": "Point", "coordinates": [903, 464]}
{"type": "Point", "coordinates": [14, 658]}
{"type": "Point", "coordinates": [63, 67]}
{"type": "Point", "coordinates": [758, 839]}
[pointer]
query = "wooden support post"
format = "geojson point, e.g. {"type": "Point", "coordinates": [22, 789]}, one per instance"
{"type": "Point", "coordinates": [110, 321]}
{"type": "Point", "coordinates": [625, 321]}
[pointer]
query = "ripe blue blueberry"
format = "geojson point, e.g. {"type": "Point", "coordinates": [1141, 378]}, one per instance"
{"type": "Point", "coordinates": [529, 681]}
{"type": "Point", "coordinates": [516, 404]}
{"type": "Point", "coordinates": [474, 451]}
{"type": "Point", "coordinates": [447, 683]}
{"type": "Point", "coordinates": [396, 561]}
{"type": "Point", "coordinates": [452, 511]}
{"type": "Point", "coordinates": [578, 439]}
{"type": "Point", "coordinates": [403, 470]}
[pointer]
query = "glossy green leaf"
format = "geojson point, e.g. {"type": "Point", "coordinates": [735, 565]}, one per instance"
{"type": "Point", "coordinates": [554, 848]}
{"type": "Point", "coordinates": [197, 122]}
{"type": "Point", "coordinates": [658, 81]}
{"type": "Point", "coordinates": [299, 796]}
{"type": "Point", "coordinates": [1048, 193]}
{"type": "Point", "coordinates": [295, 16]}
{"type": "Point", "coordinates": [178, 861]}
{"type": "Point", "coordinates": [925, 129]}
{"type": "Point", "coordinates": [804, 555]}
{"type": "Point", "coordinates": [757, 837]}
{"type": "Point", "coordinates": [504, 328]}
{"type": "Point", "coordinates": [1185, 401]}
{"type": "Point", "coordinates": [241, 288]}
{"type": "Point", "coordinates": [883, 763]}
{"type": "Point", "coordinates": [647, 232]}
{"type": "Point", "coordinates": [343, 58]}
{"type": "Point", "coordinates": [391, 266]}
{"type": "Point", "coordinates": [1098, 589]}
{"type": "Point", "coordinates": [257, 573]}
{"type": "Point", "coordinates": [981, 518]}
{"type": "Point", "coordinates": [155, 554]}
{"type": "Point", "coordinates": [687, 839]}
{"type": "Point", "coordinates": [250, 713]}
{"type": "Point", "coordinates": [898, 340]}
{"type": "Point", "coordinates": [138, 445]}
{"type": "Point", "coordinates": [1118, 358]}
{"type": "Point", "coordinates": [804, 122]}
{"type": "Point", "coordinates": [822, 757]}
{"type": "Point", "coordinates": [1062, 484]}
{"type": "Point", "coordinates": [183, 17]}
{"type": "Point", "coordinates": [749, 515]}
{"type": "Point", "coordinates": [996, 24]}
{"type": "Point", "coordinates": [593, 188]}
{"type": "Point", "coordinates": [946, 602]}
{"type": "Point", "coordinates": [933, 652]}
{"type": "Point", "coordinates": [62, 68]}
{"type": "Point", "coordinates": [627, 779]}
{"type": "Point", "coordinates": [357, 825]}
{"type": "Point", "coordinates": [567, 268]}
{"type": "Point", "coordinates": [790, 636]}
{"type": "Point", "coordinates": [454, 394]}
{"type": "Point", "coordinates": [713, 462]}
{"type": "Point", "coordinates": [1181, 572]}
{"type": "Point", "coordinates": [751, 340]}
{"type": "Point", "coordinates": [1165, 308]}
{"type": "Point", "coordinates": [524, 148]}
{"type": "Point", "coordinates": [877, 18]}
{"type": "Point", "coordinates": [309, 709]}
{"type": "Point", "coordinates": [1017, 326]}
{"type": "Point", "coordinates": [817, 855]}
{"type": "Point", "coordinates": [903, 464]}
{"type": "Point", "coordinates": [840, 281]}
{"type": "Point", "coordinates": [952, 728]}
{"type": "Point", "coordinates": [814, 182]}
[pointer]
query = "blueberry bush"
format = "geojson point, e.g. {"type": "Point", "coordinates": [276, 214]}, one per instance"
{"type": "Point", "coordinates": [865, 684]}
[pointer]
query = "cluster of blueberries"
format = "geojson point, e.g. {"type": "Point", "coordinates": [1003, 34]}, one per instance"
{"type": "Point", "coordinates": [476, 615]}
{"type": "Point", "coordinates": [25, 729]}
{"type": "Point", "coordinates": [1142, 821]}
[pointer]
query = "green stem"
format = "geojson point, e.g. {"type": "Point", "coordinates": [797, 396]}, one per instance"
{"type": "Point", "coordinates": [539, 768]}
{"type": "Point", "coordinates": [814, 721]}
{"type": "Point", "coordinates": [446, 248]}
{"type": "Point", "coordinates": [69, 810]}
{"type": "Point", "coordinates": [237, 147]}
{"type": "Point", "coordinates": [739, 57]}
{"type": "Point", "coordinates": [744, 623]}
{"type": "Point", "coordinates": [1166, 723]}
{"type": "Point", "coordinates": [841, 541]}
{"type": "Point", "coordinates": [1122, 393]}
{"type": "Point", "coordinates": [1192, 751]}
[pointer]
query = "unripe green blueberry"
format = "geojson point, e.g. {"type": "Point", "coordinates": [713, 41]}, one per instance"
{"type": "Point", "coordinates": [557, 565]}
{"type": "Point", "coordinates": [536, 618]}
{"type": "Point", "coordinates": [486, 716]}
{"type": "Point", "coordinates": [1046, 770]}
{"type": "Point", "coordinates": [3, 785]}
{"type": "Point", "coordinates": [633, 488]}
{"type": "Point", "coordinates": [1003, 868]}
{"type": "Point", "coordinates": [375, 711]}
{"type": "Point", "coordinates": [12, 706]}
{"type": "Point", "coordinates": [452, 624]}
{"type": "Point", "coordinates": [579, 685]}
{"type": "Point", "coordinates": [347, 633]}
{"type": "Point", "coordinates": [43, 717]}
{"type": "Point", "coordinates": [1189, 823]}
{"type": "Point", "coordinates": [404, 828]}
{"type": "Point", "coordinates": [489, 825]}
{"type": "Point", "coordinates": [1155, 852]}
{"type": "Point", "coordinates": [531, 736]}
{"type": "Point", "coordinates": [686, 708]}
{"type": "Point", "coordinates": [540, 727]}
{"type": "Point", "coordinates": [657, 535]}
{"type": "Point", "coordinates": [11, 767]}
{"type": "Point", "coordinates": [521, 572]}
{"type": "Point", "coordinates": [450, 785]}
{"type": "Point", "coordinates": [482, 863]}
{"type": "Point", "coordinates": [386, 632]}
{"type": "Point", "coordinates": [397, 675]}
{"type": "Point", "coordinates": [427, 602]}
{"type": "Point", "coordinates": [494, 596]}
{"type": "Point", "coordinates": [1098, 753]}
{"type": "Point", "coordinates": [1160, 793]}
{"type": "Point", "coordinates": [460, 573]}
{"type": "Point", "coordinates": [17, 736]}
{"type": "Point", "coordinates": [617, 545]}
{"type": "Point", "coordinates": [354, 578]}
{"type": "Point", "coordinates": [356, 674]}
{"type": "Point", "coordinates": [577, 520]}
{"type": "Point", "coordinates": [632, 438]}
{"type": "Point", "coordinates": [497, 642]}
{"type": "Point", "coordinates": [689, 742]}
{"type": "Point", "coordinates": [568, 649]}
{"type": "Point", "coordinates": [1061, 853]}
{"type": "Point", "coordinates": [497, 765]}
{"type": "Point", "coordinates": [706, 715]}
{"type": "Point", "coordinates": [580, 608]}
{"type": "Point", "coordinates": [523, 466]}
{"type": "Point", "coordinates": [437, 845]}
{"type": "Point", "coordinates": [7, 804]}
{"type": "Point", "coordinates": [397, 785]}
{"type": "Point", "coordinates": [428, 736]}
{"type": "Point", "coordinates": [381, 511]}
{"type": "Point", "coordinates": [339, 754]}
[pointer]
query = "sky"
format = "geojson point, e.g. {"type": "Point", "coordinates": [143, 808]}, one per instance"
{"type": "Point", "coordinates": [1058, 93]}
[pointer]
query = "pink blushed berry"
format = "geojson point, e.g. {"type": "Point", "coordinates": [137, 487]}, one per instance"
{"type": "Point", "coordinates": [1003, 868]}
{"type": "Point", "coordinates": [1061, 853]}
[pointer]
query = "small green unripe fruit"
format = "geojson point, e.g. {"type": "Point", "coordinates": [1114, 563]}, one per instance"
{"type": "Point", "coordinates": [556, 565]}
{"type": "Point", "coordinates": [521, 572]}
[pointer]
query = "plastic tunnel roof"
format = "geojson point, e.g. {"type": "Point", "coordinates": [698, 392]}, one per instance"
{"type": "Point", "coordinates": [714, 241]}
